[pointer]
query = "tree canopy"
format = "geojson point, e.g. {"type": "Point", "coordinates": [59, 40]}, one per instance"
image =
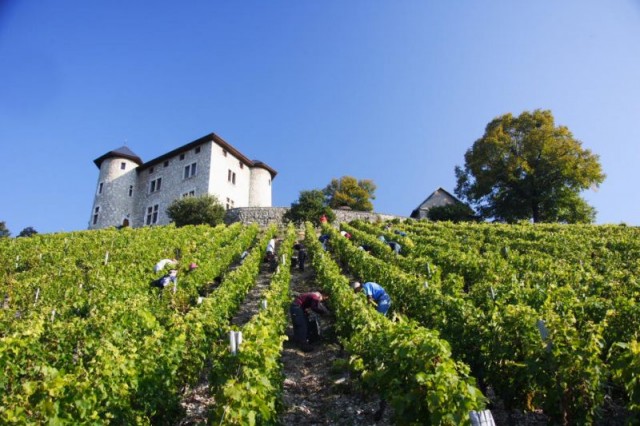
{"type": "Point", "coordinates": [309, 207]}
{"type": "Point", "coordinates": [28, 232]}
{"type": "Point", "coordinates": [527, 168]}
{"type": "Point", "coordinates": [205, 209]}
{"type": "Point", "coordinates": [350, 192]}
{"type": "Point", "coordinates": [4, 231]}
{"type": "Point", "coordinates": [457, 212]}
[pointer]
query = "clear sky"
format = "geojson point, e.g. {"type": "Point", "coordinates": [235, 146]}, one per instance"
{"type": "Point", "coordinates": [393, 91]}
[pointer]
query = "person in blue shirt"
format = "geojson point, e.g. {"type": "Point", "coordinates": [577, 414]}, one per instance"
{"type": "Point", "coordinates": [375, 294]}
{"type": "Point", "coordinates": [395, 247]}
{"type": "Point", "coordinates": [323, 239]}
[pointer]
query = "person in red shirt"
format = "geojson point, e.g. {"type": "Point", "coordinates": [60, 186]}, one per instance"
{"type": "Point", "coordinates": [299, 310]}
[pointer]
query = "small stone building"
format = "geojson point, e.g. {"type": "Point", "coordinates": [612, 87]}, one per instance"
{"type": "Point", "coordinates": [438, 198]}
{"type": "Point", "coordinates": [133, 193]}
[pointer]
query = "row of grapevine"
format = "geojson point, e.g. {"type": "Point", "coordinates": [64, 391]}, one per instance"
{"type": "Point", "coordinates": [409, 365]}
{"type": "Point", "coordinates": [539, 343]}
{"type": "Point", "coordinates": [103, 266]}
{"type": "Point", "coordinates": [115, 352]}
{"type": "Point", "coordinates": [249, 384]}
{"type": "Point", "coordinates": [366, 235]}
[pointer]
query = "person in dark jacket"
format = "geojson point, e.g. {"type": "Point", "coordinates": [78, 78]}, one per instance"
{"type": "Point", "coordinates": [300, 309]}
{"type": "Point", "coordinates": [395, 247]}
{"type": "Point", "coordinates": [165, 280]}
{"type": "Point", "coordinates": [323, 240]}
{"type": "Point", "coordinates": [302, 255]}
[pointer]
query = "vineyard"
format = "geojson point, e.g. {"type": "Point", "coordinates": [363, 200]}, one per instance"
{"type": "Point", "coordinates": [544, 318]}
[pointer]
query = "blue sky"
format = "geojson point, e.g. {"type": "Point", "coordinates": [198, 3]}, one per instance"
{"type": "Point", "coordinates": [393, 91]}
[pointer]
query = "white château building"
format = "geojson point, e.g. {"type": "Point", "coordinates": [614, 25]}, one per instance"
{"type": "Point", "coordinates": [133, 193]}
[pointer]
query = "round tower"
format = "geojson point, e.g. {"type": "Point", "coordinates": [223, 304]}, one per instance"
{"type": "Point", "coordinates": [260, 189]}
{"type": "Point", "coordinates": [113, 204]}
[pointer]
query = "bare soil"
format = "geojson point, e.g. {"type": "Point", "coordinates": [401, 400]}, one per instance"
{"type": "Point", "coordinates": [318, 388]}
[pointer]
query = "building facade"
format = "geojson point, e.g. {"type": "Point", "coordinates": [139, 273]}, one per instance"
{"type": "Point", "coordinates": [438, 198]}
{"type": "Point", "coordinates": [133, 193]}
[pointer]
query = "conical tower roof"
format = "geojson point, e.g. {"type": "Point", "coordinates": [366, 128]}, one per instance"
{"type": "Point", "coordinates": [122, 152]}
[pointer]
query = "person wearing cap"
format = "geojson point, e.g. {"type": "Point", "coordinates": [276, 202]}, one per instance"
{"type": "Point", "coordinates": [376, 295]}
{"type": "Point", "coordinates": [300, 309]}
{"type": "Point", "coordinates": [192, 267]}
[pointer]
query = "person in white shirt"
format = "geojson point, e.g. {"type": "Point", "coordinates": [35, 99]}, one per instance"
{"type": "Point", "coordinates": [160, 265]}
{"type": "Point", "coordinates": [271, 247]}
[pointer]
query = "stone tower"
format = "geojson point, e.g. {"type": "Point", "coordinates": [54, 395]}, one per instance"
{"type": "Point", "coordinates": [260, 187]}
{"type": "Point", "coordinates": [114, 201]}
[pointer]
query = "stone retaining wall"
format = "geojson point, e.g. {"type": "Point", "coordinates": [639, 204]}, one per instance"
{"type": "Point", "coordinates": [265, 216]}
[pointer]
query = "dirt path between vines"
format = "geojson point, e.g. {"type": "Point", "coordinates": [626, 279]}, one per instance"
{"type": "Point", "coordinates": [317, 387]}
{"type": "Point", "coordinates": [197, 401]}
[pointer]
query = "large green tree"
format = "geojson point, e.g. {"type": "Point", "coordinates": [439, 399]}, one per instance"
{"type": "Point", "coordinates": [348, 191]}
{"type": "Point", "coordinates": [205, 209]}
{"type": "Point", "coordinates": [527, 168]}
{"type": "Point", "coordinates": [4, 231]}
{"type": "Point", "coordinates": [309, 207]}
{"type": "Point", "coordinates": [29, 231]}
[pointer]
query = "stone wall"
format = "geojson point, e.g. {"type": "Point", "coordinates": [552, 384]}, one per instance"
{"type": "Point", "coordinates": [265, 216]}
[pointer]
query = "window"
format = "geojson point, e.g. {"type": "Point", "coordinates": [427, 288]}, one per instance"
{"type": "Point", "coordinates": [155, 185]}
{"type": "Point", "coordinates": [100, 188]}
{"type": "Point", "coordinates": [198, 150]}
{"type": "Point", "coordinates": [123, 165]}
{"type": "Point", "coordinates": [231, 176]}
{"type": "Point", "coordinates": [95, 215]}
{"type": "Point", "coordinates": [230, 203]}
{"type": "Point", "coordinates": [241, 164]}
{"type": "Point", "coordinates": [166, 163]}
{"type": "Point", "coordinates": [191, 193]}
{"type": "Point", "coordinates": [224, 152]}
{"type": "Point", "coordinates": [181, 157]}
{"type": "Point", "coordinates": [130, 190]}
{"type": "Point", "coordinates": [190, 171]}
{"type": "Point", "coordinates": [152, 215]}
{"type": "Point", "coordinates": [150, 170]}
